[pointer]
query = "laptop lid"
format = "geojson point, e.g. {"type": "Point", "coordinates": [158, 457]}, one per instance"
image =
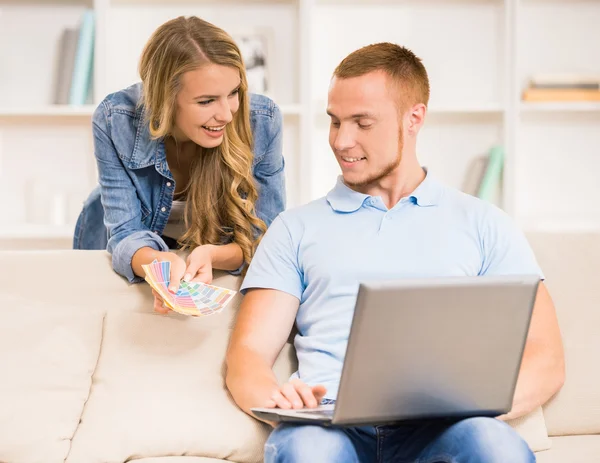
{"type": "Point", "coordinates": [435, 347]}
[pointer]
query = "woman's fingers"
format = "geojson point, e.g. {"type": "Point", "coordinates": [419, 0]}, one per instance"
{"type": "Point", "coordinates": [159, 305]}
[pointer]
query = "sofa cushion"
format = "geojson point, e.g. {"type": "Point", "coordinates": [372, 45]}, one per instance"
{"type": "Point", "coordinates": [571, 263]}
{"type": "Point", "coordinates": [572, 449]}
{"type": "Point", "coordinates": [159, 390]}
{"type": "Point", "coordinates": [532, 428]}
{"type": "Point", "coordinates": [47, 357]}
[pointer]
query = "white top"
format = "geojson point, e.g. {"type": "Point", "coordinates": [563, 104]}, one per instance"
{"type": "Point", "coordinates": [175, 224]}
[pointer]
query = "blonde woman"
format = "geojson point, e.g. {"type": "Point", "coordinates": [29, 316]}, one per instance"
{"type": "Point", "coordinates": [187, 158]}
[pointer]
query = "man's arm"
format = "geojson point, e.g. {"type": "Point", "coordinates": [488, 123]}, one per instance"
{"type": "Point", "coordinates": [264, 322]}
{"type": "Point", "coordinates": [542, 372]}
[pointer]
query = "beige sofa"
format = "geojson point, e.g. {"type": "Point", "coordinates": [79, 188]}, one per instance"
{"type": "Point", "coordinates": [90, 374]}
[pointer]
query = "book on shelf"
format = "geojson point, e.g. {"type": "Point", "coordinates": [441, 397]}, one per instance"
{"type": "Point", "coordinates": [75, 61]}
{"type": "Point", "coordinates": [492, 177]}
{"type": "Point", "coordinates": [563, 87]}
{"type": "Point", "coordinates": [560, 94]}
{"type": "Point", "coordinates": [584, 81]}
{"type": "Point", "coordinates": [484, 175]}
{"type": "Point", "coordinates": [65, 65]}
{"type": "Point", "coordinates": [475, 172]}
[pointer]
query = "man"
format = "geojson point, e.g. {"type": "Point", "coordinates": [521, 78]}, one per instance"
{"type": "Point", "coordinates": [386, 218]}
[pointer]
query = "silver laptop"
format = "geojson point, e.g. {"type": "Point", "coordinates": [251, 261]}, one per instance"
{"type": "Point", "coordinates": [429, 348]}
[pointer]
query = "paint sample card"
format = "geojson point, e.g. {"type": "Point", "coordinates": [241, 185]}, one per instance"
{"type": "Point", "coordinates": [196, 299]}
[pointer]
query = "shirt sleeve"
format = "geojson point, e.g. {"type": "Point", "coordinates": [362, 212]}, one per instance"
{"type": "Point", "coordinates": [506, 250]}
{"type": "Point", "coordinates": [122, 207]}
{"type": "Point", "coordinates": [275, 264]}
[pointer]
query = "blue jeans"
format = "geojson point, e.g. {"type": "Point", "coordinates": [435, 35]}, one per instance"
{"type": "Point", "coordinates": [472, 440]}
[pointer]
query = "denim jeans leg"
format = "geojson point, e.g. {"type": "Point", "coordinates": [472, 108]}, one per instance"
{"type": "Point", "coordinates": [472, 440]}
{"type": "Point", "coordinates": [316, 444]}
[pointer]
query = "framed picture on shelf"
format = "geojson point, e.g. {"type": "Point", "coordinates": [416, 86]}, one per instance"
{"type": "Point", "coordinates": [256, 46]}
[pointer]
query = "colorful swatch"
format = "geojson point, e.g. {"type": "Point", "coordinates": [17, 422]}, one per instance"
{"type": "Point", "coordinates": [192, 298]}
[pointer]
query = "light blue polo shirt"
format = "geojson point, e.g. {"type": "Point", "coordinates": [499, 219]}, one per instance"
{"type": "Point", "coordinates": [320, 252]}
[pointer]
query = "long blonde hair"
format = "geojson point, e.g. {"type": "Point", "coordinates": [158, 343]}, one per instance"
{"type": "Point", "coordinates": [221, 194]}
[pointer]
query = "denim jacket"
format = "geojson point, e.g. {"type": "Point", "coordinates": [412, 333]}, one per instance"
{"type": "Point", "coordinates": [130, 207]}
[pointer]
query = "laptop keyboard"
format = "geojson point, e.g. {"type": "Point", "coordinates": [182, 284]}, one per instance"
{"type": "Point", "coordinates": [325, 412]}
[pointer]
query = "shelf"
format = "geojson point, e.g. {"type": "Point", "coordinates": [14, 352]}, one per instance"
{"type": "Point", "coordinates": [561, 106]}
{"type": "Point", "coordinates": [31, 231]}
{"type": "Point", "coordinates": [396, 2]}
{"type": "Point", "coordinates": [194, 2]}
{"type": "Point", "coordinates": [48, 111]}
{"type": "Point", "coordinates": [441, 109]}
{"type": "Point", "coordinates": [464, 110]}
{"type": "Point", "coordinates": [29, 3]}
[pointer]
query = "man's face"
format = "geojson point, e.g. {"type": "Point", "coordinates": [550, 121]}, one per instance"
{"type": "Point", "coordinates": [366, 131]}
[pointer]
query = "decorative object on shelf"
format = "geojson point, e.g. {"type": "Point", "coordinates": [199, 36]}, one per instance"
{"type": "Point", "coordinates": [52, 204]}
{"type": "Point", "coordinates": [563, 87]}
{"type": "Point", "coordinates": [255, 46]}
{"type": "Point", "coordinates": [45, 203]}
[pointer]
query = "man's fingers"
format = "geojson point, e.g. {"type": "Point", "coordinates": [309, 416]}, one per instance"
{"type": "Point", "coordinates": [270, 404]}
{"type": "Point", "coordinates": [306, 393]}
{"type": "Point", "coordinates": [319, 392]}
{"type": "Point", "coordinates": [290, 393]}
{"type": "Point", "coordinates": [280, 400]}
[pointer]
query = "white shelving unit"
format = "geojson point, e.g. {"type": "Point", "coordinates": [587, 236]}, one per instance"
{"type": "Point", "coordinates": [479, 55]}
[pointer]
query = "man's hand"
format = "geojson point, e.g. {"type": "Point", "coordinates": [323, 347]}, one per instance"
{"type": "Point", "coordinates": [295, 395]}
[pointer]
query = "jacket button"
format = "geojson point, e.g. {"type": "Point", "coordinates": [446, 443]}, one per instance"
{"type": "Point", "coordinates": [169, 184]}
{"type": "Point", "coordinates": [164, 209]}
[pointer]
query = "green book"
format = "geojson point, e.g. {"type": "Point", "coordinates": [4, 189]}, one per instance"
{"type": "Point", "coordinates": [493, 173]}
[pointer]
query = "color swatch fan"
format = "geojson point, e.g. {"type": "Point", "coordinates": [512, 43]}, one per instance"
{"type": "Point", "coordinates": [192, 298]}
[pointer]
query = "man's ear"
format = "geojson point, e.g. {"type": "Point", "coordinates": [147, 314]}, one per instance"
{"type": "Point", "coordinates": [416, 118]}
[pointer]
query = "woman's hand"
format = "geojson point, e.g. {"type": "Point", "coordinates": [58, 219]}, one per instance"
{"type": "Point", "coordinates": [200, 265]}
{"type": "Point", "coordinates": [178, 268]}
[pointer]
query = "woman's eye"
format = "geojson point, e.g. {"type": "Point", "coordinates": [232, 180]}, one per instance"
{"type": "Point", "coordinates": [205, 102]}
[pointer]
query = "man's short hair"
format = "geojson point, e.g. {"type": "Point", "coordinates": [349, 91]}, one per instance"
{"type": "Point", "coordinates": [402, 65]}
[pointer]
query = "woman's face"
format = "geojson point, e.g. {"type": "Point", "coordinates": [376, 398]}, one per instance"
{"type": "Point", "coordinates": [206, 103]}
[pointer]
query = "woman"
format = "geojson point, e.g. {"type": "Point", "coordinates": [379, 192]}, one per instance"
{"type": "Point", "coordinates": [186, 158]}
